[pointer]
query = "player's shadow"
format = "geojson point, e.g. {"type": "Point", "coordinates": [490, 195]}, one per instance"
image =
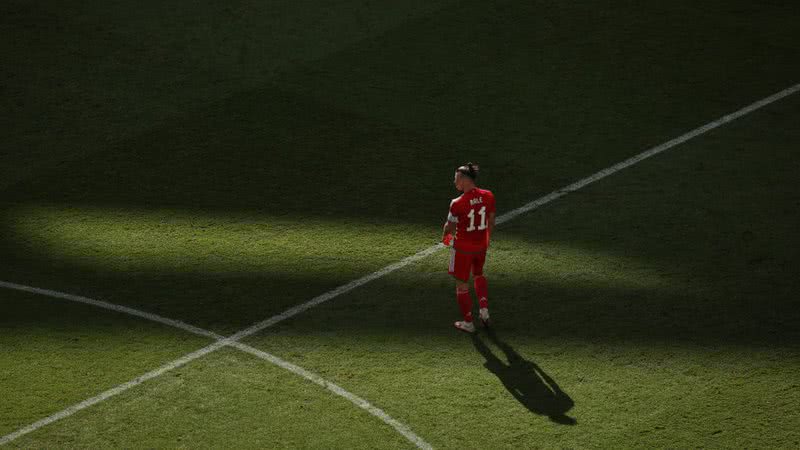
{"type": "Point", "coordinates": [526, 381]}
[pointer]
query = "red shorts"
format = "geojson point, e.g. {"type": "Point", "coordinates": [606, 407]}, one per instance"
{"type": "Point", "coordinates": [461, 264]}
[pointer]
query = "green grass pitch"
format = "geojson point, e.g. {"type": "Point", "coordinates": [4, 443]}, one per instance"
{"type": "Point", "coordinates": [218, 163]}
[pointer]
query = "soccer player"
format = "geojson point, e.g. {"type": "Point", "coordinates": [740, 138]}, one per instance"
{"type": "Point", "coordinates": [469, 226]}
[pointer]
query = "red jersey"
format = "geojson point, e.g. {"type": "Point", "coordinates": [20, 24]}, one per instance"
{"type": "Point", "coordinates": [470, 212]}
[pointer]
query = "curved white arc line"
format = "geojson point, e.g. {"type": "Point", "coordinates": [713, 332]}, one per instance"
{"type": "Point", "coordinates": [221, 341]}
{"type": "Point", "coordinates": [110, 306]}
{"type": "Point", "coordinates": [338, 390]}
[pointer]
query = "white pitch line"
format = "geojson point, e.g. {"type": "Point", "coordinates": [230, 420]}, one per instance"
{"type": "Point", "coordinates": [336, 389]}
{"type": "Point", "coordinates": [221, 341]}
{"type": "Point", "coordinates": [110, 306]}
{"type": "Point", "coordinates": [291, 312]}
{"type": "Point", "coordinates": [521, 210]}
{"type": "Point", "coordinates": [433, 249]}
{"type": "Point", "coordinates": [112, 392]}
{"type": "Point", "coordinates": [647, 154]}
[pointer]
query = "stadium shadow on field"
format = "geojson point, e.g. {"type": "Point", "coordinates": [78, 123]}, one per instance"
{"type": "Point", "coordinates": [388, 118]}
{"type": "Point", "coordinates": [526, 381]}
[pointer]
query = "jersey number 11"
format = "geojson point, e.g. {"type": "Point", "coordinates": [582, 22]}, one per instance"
{"type": "Point", "coordinates": [471, 215]}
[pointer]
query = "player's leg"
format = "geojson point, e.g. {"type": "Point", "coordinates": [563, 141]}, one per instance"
{"type": "Point", "coordinates": [465, 304]}
{"type": "Point", "coordinates": [481, 287]}
{"type": "Point", "coordinates": [459, 268]}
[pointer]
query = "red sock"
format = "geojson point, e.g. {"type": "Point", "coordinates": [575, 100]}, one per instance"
{"type": "Point", "coordinates": [482, 290]}
{"type": "Point", "coordinates": [465, 303]}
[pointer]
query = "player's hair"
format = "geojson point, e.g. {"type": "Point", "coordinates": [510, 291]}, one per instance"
{"type": "Point", "coordinates": [469, 170]}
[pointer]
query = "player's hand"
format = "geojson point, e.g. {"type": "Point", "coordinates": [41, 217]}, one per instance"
{"type": "Point", "coordinates": [446, 239]}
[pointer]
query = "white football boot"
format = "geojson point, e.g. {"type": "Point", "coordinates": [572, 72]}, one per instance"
{"type": "Point", "coordinates": [484, 314]}
{"type": "Point", "coordinates": [467, 327]}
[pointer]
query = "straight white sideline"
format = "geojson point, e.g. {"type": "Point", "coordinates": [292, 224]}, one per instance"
{"type": "Point", "coordinates": [221, 341]}
{"type": "Point", "coordinates": [232, 340]}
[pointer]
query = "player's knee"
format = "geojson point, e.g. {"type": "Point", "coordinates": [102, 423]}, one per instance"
{"type": "Point", "coordinates": [462, 286]}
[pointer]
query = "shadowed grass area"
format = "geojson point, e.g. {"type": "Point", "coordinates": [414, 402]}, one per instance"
{"type": "Point", "coordinates": [540, 102]}
{"type": "Point", "coordinates": [81, 80]}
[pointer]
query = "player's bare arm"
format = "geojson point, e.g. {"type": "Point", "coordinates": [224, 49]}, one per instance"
{"type": "Point", "coordinates": [448, 229]}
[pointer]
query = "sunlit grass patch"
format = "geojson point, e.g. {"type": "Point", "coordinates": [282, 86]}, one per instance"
{"type": "Point", "coordinates": [225, 400]}
{"type": "Point", "coordinates": [54, 353]}
{"type": "Point", "coordinates": [184, 241]}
